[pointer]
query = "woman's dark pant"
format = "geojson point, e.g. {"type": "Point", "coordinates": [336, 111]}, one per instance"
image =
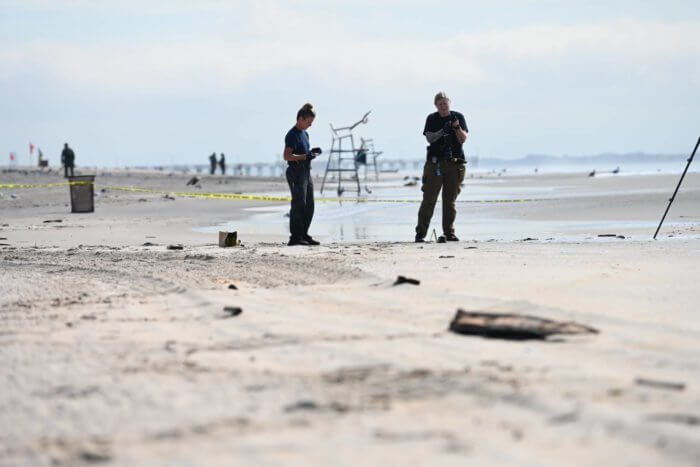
{"type": "Point", "coordinates": [302, 188]}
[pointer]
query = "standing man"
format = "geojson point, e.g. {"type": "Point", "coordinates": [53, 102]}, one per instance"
{"type": "Point", "coordinates": [222, 164]}
{"type": "Point", "coordinates": [212, 163]}
{"type": "Point", "coordinates": [68, 160]}
{"type": "Point", "coordinates": [446, 131]}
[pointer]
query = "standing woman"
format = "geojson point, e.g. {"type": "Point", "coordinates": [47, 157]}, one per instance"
{"type": "Point", "coordinates": [298, 155]}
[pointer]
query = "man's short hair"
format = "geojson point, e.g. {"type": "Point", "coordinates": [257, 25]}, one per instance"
{"type": "Point", "coordinates": [440, 95]}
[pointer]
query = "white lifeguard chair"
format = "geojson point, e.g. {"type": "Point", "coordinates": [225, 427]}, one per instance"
{"type": "Point", "coordinates": [343, 160]}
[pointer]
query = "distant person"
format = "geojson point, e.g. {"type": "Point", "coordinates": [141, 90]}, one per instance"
{"type": "Point", "coordinates": [222, 164]}
{"type": "Point", "coordinates": [68, 160]}
{"type": "Point", "coordinates": [212, 163]}
{"type": "Point", "coordinates": [446, 131]}
{"type": "Point", "coordinates": [42, 162]}
{"type": "Point", "coordinates": [298, 155]}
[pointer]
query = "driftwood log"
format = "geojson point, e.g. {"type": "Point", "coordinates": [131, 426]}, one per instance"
{"type": "Point", "coordinates": [512, 326]}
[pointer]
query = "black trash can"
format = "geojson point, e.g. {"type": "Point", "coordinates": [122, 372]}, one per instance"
{"type": "Point", "coordinates": [82, 193]}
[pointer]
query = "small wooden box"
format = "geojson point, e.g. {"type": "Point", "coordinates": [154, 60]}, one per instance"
{"type": "Point", "coordinates": [227, 239]}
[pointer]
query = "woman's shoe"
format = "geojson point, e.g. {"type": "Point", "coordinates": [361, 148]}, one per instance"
{"type": "Point", "coordinates": [311, 241]}
{"type": "Point", "coordinates": [297, 241]}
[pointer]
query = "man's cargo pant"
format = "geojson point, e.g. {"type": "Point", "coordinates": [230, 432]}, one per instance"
{"type": "Point", "coordinates": [449, 178]}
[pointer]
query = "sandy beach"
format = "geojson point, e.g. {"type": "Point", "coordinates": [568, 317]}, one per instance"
{"type": "Point", "coordinates": [116, 350]}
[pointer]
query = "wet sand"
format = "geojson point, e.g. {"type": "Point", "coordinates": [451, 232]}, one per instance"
{"type": "Point", "coordinates": [121, 353]}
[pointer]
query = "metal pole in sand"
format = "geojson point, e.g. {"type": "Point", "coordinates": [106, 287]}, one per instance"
{"type": "Point", "coordinates": [670, 201]}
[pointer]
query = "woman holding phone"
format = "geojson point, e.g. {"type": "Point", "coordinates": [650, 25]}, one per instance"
{"type": "Point", "coordinates": [298, 155]}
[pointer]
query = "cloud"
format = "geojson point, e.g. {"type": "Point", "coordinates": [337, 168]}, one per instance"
{"type": "Point", "coordinates": [222, 66]}
{"type": "Point", "coordinates": [623, 38]}
{"type": "Point", "coordinates": [139, 7]}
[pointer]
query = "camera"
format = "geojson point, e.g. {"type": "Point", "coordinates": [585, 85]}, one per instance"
{"type": "Point", "coordinates": [448, 128]}
{"type": "Point", "coordinates": [313, 153]}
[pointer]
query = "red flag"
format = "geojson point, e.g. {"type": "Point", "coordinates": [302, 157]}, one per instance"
{"type": "Point", "coordinates": [31, 148]}
{"type": "Point", "coordinates": [12, 156]}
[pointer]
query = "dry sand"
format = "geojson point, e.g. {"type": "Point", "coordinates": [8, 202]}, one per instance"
{"type": "Point", "coordinates": [120, 353]}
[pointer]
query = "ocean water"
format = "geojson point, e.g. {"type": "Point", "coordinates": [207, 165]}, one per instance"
{"type": "Point", "coordinates": [389, 213]}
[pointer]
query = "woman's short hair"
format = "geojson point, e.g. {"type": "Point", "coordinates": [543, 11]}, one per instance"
{"type": "Point", "coordinates": [306, 111]}
{"type": "Point", "coordinates": [440, 95]}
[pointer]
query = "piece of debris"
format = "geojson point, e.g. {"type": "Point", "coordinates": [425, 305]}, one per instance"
{"type": "Point", "coordinates": [653, 383]}
{"type": "Point", "coordinates": [171, 198]}
{"type": "Point", "coordinates": [607, 235]}
{"type": "Point", "coordinates": [149, 244]}
{"type": "Point", "coordinates": [232, 311]}
{"type": "Point", "coordinates": [591, 174]}
{"type": "Point", "coordinates": [93, 456]}
{"type": "Point", "coordinates": [528, 239]}
{"type": "Point", "coordinates": [406, 280]}
{"type": "Point", "coordinates": [200, 257]}
{"type": "Point", "coordinates": [192, 181]}
{"type": "Point", "coordinates": [445, 256]}
{"type": "Point", "coordinates": [52, 220]}
{"type": "Point", "coordinates": [142, 200]}
{"type": "Point", "coordinates": [684, 419]}
{"type": "Point", "coordinates": [232, 287]}
{"type": "Point", "coordinates": [302, 405]}
{"type": "Point", "coordinates": [512, 326]}
{"type": "Point", "coordinates": [175, 247]}
{"type": "Point", "coordinates": [620, 236]}
{"type": "Point", "coordinates": [568, 417]}
{"type": "Point", "coordinates": [410, 183]}
{"type": "Point", "coordinates": [470, 248]}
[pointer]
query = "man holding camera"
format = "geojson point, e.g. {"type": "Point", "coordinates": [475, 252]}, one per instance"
{"type": "Point", "coordinates": [446, 131]}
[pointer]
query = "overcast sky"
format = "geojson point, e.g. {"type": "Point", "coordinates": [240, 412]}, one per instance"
{"type": "Point", "coordinates": [167, 81]}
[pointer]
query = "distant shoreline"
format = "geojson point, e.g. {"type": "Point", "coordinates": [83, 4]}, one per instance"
{"type": "Point", "coordinates": [630, 162]}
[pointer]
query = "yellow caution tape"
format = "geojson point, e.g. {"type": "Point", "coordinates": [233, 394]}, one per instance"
{"type": "Point", "coordinates": [185, 194]}
{"type": "Point", "coordinates": [236, 196]}
{"type": "Point", "coordinates": [42, 185]}
{"type": "Point", "coordinates": [35, 185]}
